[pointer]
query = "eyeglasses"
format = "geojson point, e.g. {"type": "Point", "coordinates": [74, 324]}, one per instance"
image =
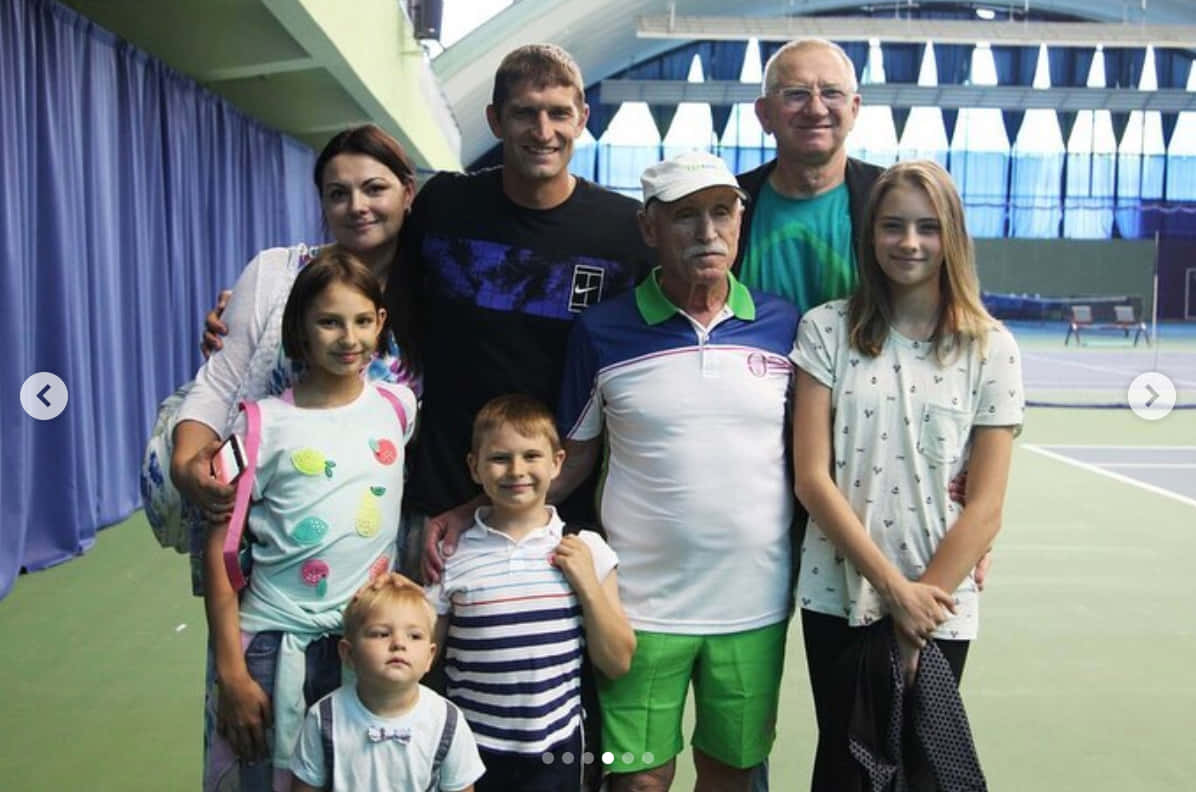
{"type": "Point", "coordinates": [798, 96]}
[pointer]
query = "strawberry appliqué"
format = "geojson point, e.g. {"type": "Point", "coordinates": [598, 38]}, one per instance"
{"type": "Point", "coordinates": [384, 451]}
{"type": "Point", "coordinates": [315, 573]}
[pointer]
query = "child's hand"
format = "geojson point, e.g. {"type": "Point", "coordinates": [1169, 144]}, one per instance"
{"type": "Point", "coordinates": [573, 557]}
{"type": "Point", "coordinates": [910, 654]}
{"type": "Point", "coordinates": [243, 715]}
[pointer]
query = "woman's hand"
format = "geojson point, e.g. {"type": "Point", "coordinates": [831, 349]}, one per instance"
{"type": "Point", "coordinates": [195, 480]}
{"type": "Point", "coordinates": [243, 713]}
{"type": "Point", "coordinates": [918, 609]}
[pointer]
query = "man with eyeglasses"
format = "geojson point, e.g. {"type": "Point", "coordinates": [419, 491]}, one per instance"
{"type": "Point", "coordinates": [806, 206]}
{"type": "Point", "coordinates": [798, 237]}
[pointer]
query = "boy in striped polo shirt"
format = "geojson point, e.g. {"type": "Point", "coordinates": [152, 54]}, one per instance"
{"type": "Point", "coordinates": [517, 602]}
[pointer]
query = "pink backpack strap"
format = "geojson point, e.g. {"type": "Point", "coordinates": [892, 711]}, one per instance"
{"type": "Point", "coordinates": [398, 405]}
{"type": "Point", "coordinates": [236, 526]}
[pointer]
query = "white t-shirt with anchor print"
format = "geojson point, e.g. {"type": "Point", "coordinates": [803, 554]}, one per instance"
{"type": "Point", "coordinates": [902, 428]}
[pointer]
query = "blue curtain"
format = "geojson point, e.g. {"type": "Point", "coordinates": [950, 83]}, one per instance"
{"type": "Point", "coordinates": [1015, 66]}
{"type": "Point", "coordinates": [1034, 197]}
{"type": "Point", "coordinates": [600, 113]}
{"type": "Point", "coordinates": [953, 63]}
{"type": "Point", "coordinates": [1139, 177]}
{"type": "Point", "coordinates": [902, 62]}
{"type": "Point", "coordinates": [1123, 69]}
{"type": "Point", "coordinates": [1180, 221]}
{"type": "Point", "coordinates": [740, 155]}
{"type": "Point", "coordinates": [1069, 68]}
{"type": "Point", "coordinates": [982, 177]}
{"type": "Point", "coordinates": [129, 197]}
{"type": "Point", "coordinates": [1139, 190]}
{"type": "Point", "coordinates": [1090, 185]}
{"type": "Point", "coordinates": [1089, 179]}
{"type": "Point", "coordinates": [672, 65]}
{"type": "Point", "coordinates": [1172, 67]}
{"type": "Point", "coordinates": [585, 161]}
{"type": "Point", "coordinates": [620, 167]}
{"type": "Point", "coordinates": [722, 60]}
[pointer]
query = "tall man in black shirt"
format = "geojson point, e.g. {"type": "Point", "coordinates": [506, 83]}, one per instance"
{"type": "Point", "coordinates": [494, 267]}
{"type": "Point", "coordinates": [500, 263]}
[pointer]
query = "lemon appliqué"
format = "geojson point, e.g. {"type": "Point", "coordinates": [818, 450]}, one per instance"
{"type": "Point", "coordinates": [310, 531]}
{"type": "Point", "coordinates": [311, 462]}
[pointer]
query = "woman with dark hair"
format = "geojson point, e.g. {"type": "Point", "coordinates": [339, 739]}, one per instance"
{"type": "Point", "coordinates": [366, 183]}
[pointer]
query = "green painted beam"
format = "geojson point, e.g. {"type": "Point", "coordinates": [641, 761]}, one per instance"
{"type": "Point", "coordinates": [370, 51]}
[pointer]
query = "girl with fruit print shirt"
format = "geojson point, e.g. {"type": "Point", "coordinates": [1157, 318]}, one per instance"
{"type": "Point", "coordinates": [900, 388]}
{"type": "Point", "coordinates": [326, 491]}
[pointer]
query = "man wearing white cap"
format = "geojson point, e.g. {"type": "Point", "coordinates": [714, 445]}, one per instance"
{"type": "Point", "coordinates": [688, 375]}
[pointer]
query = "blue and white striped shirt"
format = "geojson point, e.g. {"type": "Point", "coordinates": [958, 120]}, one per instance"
{"type": "Point", "coordinates": [513, 653]}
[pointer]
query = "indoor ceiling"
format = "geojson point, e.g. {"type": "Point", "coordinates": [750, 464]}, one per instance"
{"type": "Point", "coordinates": [602, 37]}
{"type": "Point", "coordinates": [259, 55]}
{"type": "Point", "coordinates": [284, 62]}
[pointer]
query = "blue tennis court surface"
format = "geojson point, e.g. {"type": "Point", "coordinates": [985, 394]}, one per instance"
{"type": "Point", "coordinates": [1166, 470]}
{"type": "Point", "coordinates": [1100, 373]}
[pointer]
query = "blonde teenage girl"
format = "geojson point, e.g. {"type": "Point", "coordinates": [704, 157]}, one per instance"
{"type": "Point", "coordinates": [901, 387]}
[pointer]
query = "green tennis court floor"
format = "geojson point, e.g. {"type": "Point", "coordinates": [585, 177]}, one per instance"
{"type": "Point", "coordinates": [1081, 680]}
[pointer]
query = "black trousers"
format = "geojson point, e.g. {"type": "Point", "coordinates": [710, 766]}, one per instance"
{"type": "Point", "coordinates": [557, 770]}
{"type": "Point", "coordinates": [833, 651]}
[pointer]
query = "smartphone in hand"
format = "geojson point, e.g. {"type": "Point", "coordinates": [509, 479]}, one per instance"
{"type": "Point", "coordinates": [229, 461]}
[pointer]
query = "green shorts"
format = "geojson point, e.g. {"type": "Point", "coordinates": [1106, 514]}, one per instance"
{"type": "Point", "coordinates": [737, 681]}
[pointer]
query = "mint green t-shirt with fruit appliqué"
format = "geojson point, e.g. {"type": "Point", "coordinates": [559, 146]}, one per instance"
{"type": "Point", "coordinates": [801, 248]}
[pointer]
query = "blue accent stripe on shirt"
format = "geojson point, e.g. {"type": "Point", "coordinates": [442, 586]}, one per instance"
{"type": "Point", "coordinates": [528, 688]}
{"type": "Point", "coordinates": [522, 735]}
{"type": "Point", "coordinates": [502, 619]}
{"type": "Point", "coordinates": [511, 712]}
{"type": "Point", "coordinates": [512, 666]}
{"type": "Point", "coordinates": [494, 643]}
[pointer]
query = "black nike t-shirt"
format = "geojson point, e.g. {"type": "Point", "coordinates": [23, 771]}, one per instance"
{"type": "Point", "coordinates": [498, 287]}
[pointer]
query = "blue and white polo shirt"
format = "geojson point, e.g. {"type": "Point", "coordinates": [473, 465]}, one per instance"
{"type": "Point", "coordinates": [695, 498]}
{"type": "Point", "coordinates": [514, 646]}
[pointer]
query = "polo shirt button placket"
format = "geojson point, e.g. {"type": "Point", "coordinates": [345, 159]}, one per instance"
{"type": "Point", "coordinates": [706, 356]}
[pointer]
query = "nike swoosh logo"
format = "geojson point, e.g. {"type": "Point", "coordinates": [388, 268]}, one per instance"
{"type": "Point", "coordinates": [580, 290]}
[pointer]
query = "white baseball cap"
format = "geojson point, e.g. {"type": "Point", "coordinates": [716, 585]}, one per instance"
{"type": "Point", "coordinates": [685, 174]}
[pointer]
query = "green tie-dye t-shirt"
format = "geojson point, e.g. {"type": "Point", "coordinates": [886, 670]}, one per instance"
{"type": "Point", "coordinates": [801, 248]}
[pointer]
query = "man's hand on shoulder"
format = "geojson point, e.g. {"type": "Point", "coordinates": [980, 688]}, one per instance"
{"type": "Point", "coordinates": [440, 537]}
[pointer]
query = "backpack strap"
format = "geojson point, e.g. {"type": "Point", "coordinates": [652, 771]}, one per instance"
{"type": "Point", "coordinates": [398, 405]}
{"type": "Point", "coordinates": [326, 737]}
{"type": "Point", "coordinates": [446, 741]}
{"type": "Point", "coordinates": [236, 526]}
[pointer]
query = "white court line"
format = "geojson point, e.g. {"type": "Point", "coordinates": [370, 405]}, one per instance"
{"type": "Point", "coordinates": [1166, 493]}
{"type": "Point", "coordinates": [1131, 373]}
{"type": "Point", "coordinates": [1160, 465]}
{"type": "Point", "coordinates": [1127, 447]}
